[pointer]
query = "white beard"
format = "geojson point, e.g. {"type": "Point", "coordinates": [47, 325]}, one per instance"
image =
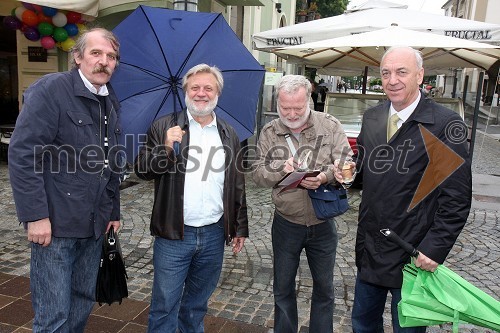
{"type": "Point", "coordinates": [201, 112]}
{"type": "Point", "coordinates": [297, 123]}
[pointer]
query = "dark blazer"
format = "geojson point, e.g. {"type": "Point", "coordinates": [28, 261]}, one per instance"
{"type": "Point", "coordinates": [54, 169]}
{"type": "Point", "coordinates": [157, 161]}
{"type": "Point", "coordinates": [392, 174]}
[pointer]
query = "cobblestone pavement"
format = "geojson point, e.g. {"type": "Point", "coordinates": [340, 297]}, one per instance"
{"type": "Point", "coordinates": [245, 287]}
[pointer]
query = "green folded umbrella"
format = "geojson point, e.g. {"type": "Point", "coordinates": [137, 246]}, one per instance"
{"type": "Point", "coordinates": [444, 297]}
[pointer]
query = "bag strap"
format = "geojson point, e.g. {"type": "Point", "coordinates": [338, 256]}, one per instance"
{"type": "Point", "coordinates": [290, 144]}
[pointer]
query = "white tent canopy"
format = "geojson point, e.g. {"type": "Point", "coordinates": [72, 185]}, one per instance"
{"type": "Point", "coordinates": [375, 4]}
{"type": "Point", "coordinates": [86, 7]}
{"type": "Point", "coordinates": [354, 52]}
{"type": "Point", "coordinates": [370, 19]}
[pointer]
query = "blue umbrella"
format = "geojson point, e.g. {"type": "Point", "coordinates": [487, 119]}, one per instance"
{"type": "Point", "coordinates": [158, 46]}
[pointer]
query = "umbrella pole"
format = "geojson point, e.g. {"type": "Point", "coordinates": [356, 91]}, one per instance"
{"type": "Point", "coordinates": [175, 93]}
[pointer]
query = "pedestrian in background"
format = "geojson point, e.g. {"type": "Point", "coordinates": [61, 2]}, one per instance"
{"type": "Point", "coordinates": [64, 171]}
{"type": "Point", "coordinates": [199, 203]}
{"type": "Point", "coordinates": [315, 95]}
{"type": "Point", "coordinates": [395, 165]}
{"type": "Point", "coordinates": [295, 226]}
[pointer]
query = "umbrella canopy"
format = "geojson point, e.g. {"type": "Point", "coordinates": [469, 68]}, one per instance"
{"type": "Point", "coordinates": [158, 46]}
{"type": "Point", "coordinates": [370, 19]}
{"type": "Point", "coordinates": [354, 52]}
{"type": "Point", "coordinates": [442, 296]}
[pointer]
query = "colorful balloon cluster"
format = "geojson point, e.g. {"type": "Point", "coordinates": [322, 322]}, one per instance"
{"type": "Point", "coordinates": [48, 25]}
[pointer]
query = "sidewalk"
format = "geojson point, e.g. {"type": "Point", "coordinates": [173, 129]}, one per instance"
{"type": "Point", "coordinates": [243, 300]}
{"type": "Point", "coordinates": [131, 316]}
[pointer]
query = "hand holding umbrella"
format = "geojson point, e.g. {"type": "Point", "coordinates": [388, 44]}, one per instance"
{"type": "Point", "coordinates": [432, 298]}
{"type": "Point", "coordinates": [174, 137]}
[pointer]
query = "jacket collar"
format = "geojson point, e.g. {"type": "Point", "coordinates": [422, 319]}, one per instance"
{"type": "Point", "coordinates": [81, 90]}
{"type": "Point", "coordinates": [421, 113]}
{"type": "Point", "coordinates": [183, 122]}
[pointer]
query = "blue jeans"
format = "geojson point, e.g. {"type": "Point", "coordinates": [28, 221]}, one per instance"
{"type": "Point", "coordinates": [369, 306]}
{"type": "Point", "coordinates": [186, 273]}
{"type": "Point", "coordinates": [320, 244]}
{"type": "Point", "coordinates": [63, 278]}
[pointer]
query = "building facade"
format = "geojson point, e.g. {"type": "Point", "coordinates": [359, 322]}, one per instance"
{"type": "Point", "coordinates": [484, 11]}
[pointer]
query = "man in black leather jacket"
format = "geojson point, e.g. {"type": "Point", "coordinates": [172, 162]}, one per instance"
{"type": "Point", "coordinates": [199, 205]}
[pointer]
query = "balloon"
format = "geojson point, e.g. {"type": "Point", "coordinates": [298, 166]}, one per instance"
{"type": "Point", "coordinates": [37, 8]}
{"type": "Point", "coordinates": [27, 5]}
{"type": "Point", "coordinates": [67, 44]}
{"type": "Point", "coordinates": [31, 34]}
{"type": "Point", "coordinates": [44, 18]}
{"type": "Point", "coordinates": [30, 18]}
{"type": "Point", "coordinates": [60, 34]}
{"type": "Point", "coordinates": [45, 29]}
{"type": "Point", "coordinates": [72, 29]}
{"type": "Point", "coordinates": [19, 12]}
{"type": "Point", "coordinates": [48, 42]}
{"type": "Point", "coordinates": [73, 17]}
{"type": "Point", "coordinates": [81, 27]}
{"type": "Point", "coordinates": [12, 23]}
{"type": "Point", "coordinates": [59, 20]}
{"type": "Point", "coordinates": [49, 11]}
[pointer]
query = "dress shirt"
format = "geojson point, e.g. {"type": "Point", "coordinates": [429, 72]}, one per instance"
{"type": "Point", "coordinates": [406, 112]}
{"type": "Point", "coordinates": [204, 182]}
{"type": "Point", "coordinates": [103, 90]}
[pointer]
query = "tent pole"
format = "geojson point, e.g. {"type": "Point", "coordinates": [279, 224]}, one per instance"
{"type": "Point", "coordinates": [365, 79]}
{"type": "Point", "coordinates": [464, 94]}
{"type": "Point", "coordinates": [476, 112]}
{"type": "Point", "coordinates": [455, 80]}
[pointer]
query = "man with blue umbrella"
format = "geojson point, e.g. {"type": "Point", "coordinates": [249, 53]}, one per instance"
{"type": "Point", "coordinates": [199, 205]}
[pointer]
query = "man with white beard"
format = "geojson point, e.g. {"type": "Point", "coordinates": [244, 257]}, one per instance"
{"type": "Point", "coordinates": [284, 145]}
{"type": "Point", "coordinates": [199, 204]}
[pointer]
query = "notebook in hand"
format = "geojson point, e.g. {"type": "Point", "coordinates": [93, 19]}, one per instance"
{"type": "Point", "coordinates": [293, 179]}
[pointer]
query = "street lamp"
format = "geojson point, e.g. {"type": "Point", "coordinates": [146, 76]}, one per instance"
{"type": "Point", "coordinates": [187, 5]}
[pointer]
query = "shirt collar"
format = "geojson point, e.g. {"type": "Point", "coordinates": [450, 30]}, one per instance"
{"type": "Point", "coordinates": [103, 90]}
{"type": "Point", "coordinates": [212, 123]}
{"type": "Point", "coordinates": [406, 112]}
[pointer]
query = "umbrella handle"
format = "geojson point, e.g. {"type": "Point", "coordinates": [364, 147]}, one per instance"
{"type": "Point", "coordinates": [176, 148]}
{"type": "Point", "coordinates": [392, 236]}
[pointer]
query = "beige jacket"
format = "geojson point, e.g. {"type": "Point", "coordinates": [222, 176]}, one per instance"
{"type": "Point", "coordinates": [323, 135]}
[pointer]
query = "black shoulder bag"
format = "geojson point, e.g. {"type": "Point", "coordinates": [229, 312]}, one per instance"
{"type": "Point", "coordinates": [112, 278]}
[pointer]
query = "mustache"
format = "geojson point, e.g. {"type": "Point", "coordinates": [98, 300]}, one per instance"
{"type": "Point", "coordinates": [101, 69]}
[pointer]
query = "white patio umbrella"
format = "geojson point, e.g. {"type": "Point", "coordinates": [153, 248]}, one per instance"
{"type": "Point", "coordinates": [354, 52]}
{"type": "Point", "coordinates": [367, 19]}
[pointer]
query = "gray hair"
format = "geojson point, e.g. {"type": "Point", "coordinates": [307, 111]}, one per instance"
{"type": "Point", "coordinates": [417, 53]}
{"type": "Point", "coordinates": [291, 83]}
{"type": "Point", "coordinates": [81, 44]}
{"type": "Point", "coordinates": [204, 68]}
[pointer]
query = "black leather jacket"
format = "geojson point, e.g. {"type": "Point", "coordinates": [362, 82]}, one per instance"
{"type": "Point", "coordinates": [157, 161]}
